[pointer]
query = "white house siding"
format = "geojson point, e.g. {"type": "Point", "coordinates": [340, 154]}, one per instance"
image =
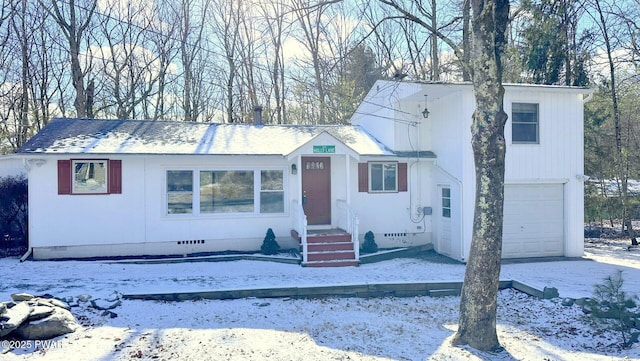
{"type": "Point", "coordinates": [135, 222]}
{"type": "Point", "coordinates": [379, 125]}
{"type": "Point", "coordinates": [60, 224]}
{"type": "Point", "coordinates": [557, 159]}
{"type": "Point", "coordinates": [238, 231]}
{"type": "Point", "coordinates": [451, 115]}
{"type": "Point", "coordinates": [388, 215]}
{"type": "Point", "coordinates": [11, 166]}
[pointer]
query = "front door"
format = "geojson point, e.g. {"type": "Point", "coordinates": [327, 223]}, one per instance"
{"type": "Point", "coordinates": [316, 189]}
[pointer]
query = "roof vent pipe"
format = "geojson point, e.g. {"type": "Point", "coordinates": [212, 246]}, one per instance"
{"type": "Point", "coordinates": [257, 115]}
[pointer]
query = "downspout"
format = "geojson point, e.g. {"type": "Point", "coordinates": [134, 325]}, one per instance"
{"type": "Point", "coordinates": [26, 255]}
{"type": "Point", "coordinates": [461, 210]}
{"type": "Point", "coordinates": [29, 248]}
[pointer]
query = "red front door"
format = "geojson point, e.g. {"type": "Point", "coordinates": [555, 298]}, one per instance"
{"type": "Point", "coordinates": [316, 189]}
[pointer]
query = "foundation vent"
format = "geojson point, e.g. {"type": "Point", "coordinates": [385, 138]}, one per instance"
{"type": "Point", "coordinates": [395, 235]}
{"type": "Point", "coordinates": [192, 241]}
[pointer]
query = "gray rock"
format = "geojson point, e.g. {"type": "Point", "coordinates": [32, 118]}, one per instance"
{"type": "Point", "coordinates": [15, 316]}
{"type": "Point", "coordinates": [83, 298]}
{"type": "Point", "coordinates": [568, 302]}
{"type": "Point", "coordinates": [109, 314]}
{"type": "Point", "coordinates": [57, 324]}
{"type": "Point", "coordinates": [53, 302]}
{"type": "Point", "coordinates": [583, 301]}
{"type": "Point", "coordinates": [104, 304]}
{"type": "Point", "coordinates": [18, 297]}
{"type": "Point", "coordinates": [40, 312]}
{"type": "Point", "coordinates": [115, 296]}
{"type": "Point", "coordinates": [550, 292]}
{"type": "Point", "coordinates": [3, 307]}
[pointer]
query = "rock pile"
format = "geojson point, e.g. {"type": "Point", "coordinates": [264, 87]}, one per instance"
{"type": "Point", "coordinates": [35, 318]}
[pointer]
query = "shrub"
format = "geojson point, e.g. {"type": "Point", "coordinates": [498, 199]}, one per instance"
{"type": "Point", "coordinates": [614, 308]}
{"type": "Point", "coordinates": [269, 244]}
{"type": "Point", "coordinates": [13, 212]}
{"type": "Point", "coordinates": [369, 245]}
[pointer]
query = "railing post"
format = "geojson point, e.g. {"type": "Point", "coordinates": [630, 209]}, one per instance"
{"type": "Point", "coordinates": [300, 226]}
{"type": "Point", "coordinates": [354, 236]}
{"type": "Point", "coordinates": [305, 245]}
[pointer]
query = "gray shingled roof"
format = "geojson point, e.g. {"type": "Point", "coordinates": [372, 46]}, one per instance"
{"type": "Point", "coordinates": [97, 136]}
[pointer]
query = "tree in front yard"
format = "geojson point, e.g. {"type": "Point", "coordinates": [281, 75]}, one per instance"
{"type": "Point", "coordinates": [478, 304]}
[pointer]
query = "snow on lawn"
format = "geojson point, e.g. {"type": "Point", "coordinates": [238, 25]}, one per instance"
{"type": "Point", "coordinates": [415, 328]}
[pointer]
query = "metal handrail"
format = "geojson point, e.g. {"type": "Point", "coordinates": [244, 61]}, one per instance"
{"type": "Point", "coordinates": [348, 220]}
{"type": "Point", "coordinates": [300, 226]}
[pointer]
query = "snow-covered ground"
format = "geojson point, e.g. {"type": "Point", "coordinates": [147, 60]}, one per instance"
{"type": "Point", "coordinates": [416, 328]}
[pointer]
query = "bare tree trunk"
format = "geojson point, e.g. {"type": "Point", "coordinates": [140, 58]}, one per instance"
{"type": "Point", "coordinates": [478, 304]}
{"type": "Point", "coordinates": [435, 61]}
{"type": "Point", "coordinates": [20, 27]}
{"type": "Point", "coordinates": [466, 39]}
{"type": "Point", "coordinates": [310, 18]}
{"type": "Point", "coordinates": [621, 157]}
{"type": "Point", "coordinates": [74, 29]}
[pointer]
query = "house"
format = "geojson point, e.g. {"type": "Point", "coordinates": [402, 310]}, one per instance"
{"type": "Point", "coordinates": [403, 169]}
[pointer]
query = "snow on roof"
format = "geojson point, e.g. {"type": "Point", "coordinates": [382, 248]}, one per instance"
{"type": "Point", "coordinates": [99, 136]}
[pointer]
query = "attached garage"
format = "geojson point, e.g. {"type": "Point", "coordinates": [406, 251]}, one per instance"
{"type": "Point", "coordinates": [533, 220]}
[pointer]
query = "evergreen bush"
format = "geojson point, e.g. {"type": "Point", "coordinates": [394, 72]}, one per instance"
{"type": "Point", "coordinates": [369, 245]}
{"type": "Point", "coordinates": [612, 307]}
{"type": "Point", "coordinates": [269, 244]}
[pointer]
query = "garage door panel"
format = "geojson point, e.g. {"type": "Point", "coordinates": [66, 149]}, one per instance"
{"type": "Point", "coordinates": [533, 221]}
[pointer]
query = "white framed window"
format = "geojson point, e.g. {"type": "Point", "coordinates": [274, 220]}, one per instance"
{"type": "Point", "coordinates": [271, 191]}
{"type": "Point", "coordinates": [208, 192]}
{"type": "Point", "coordinates": [446, 202]}
{"type": "Point", "coordinates": [525, 123]}
{"type": "Point", "coordinates": [90, 176]}
{"type": "Point", "coordinates": [226, 191]}
{"type": "Point", "coordinates": [179, 192]}
{"type": "Point", "coordinates": [383, 177]}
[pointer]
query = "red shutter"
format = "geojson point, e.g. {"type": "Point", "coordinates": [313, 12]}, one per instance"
{"type": "Point", "coordinates": [115, 177]}
{"type": "Point", "coordinates": [402, 177]}
{"type": "Point", "coordinates": [64, 177]}
{"type": "Point", "coordinates": [363, 177]}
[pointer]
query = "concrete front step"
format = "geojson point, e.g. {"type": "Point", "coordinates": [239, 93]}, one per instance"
{"type": "Point", "coordinates": [341, 263]}
{"type": "Point", "coordinates": [331, 256]}
{"type": "Point", "coordinates": [328, 238]}
{"type": "Point", "coordinates": [325, 247]}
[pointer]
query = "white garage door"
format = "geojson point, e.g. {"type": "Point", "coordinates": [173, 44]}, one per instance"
{"type": "Point", "coordinates": [533, 220]}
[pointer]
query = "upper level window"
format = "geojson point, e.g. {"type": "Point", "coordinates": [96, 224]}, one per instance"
{"type": "Point", "coordinates": [383, 177]}
{"type": "Point", "coordinates": [524, 123]}
{"type": "Point", "coordinates": [90, 176]}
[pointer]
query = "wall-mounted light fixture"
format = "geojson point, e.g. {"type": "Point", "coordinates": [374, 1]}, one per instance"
{"type": "Point", "coordinates": [425, 112]}
{"type": "Point", "coordinates": [294, 169]}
